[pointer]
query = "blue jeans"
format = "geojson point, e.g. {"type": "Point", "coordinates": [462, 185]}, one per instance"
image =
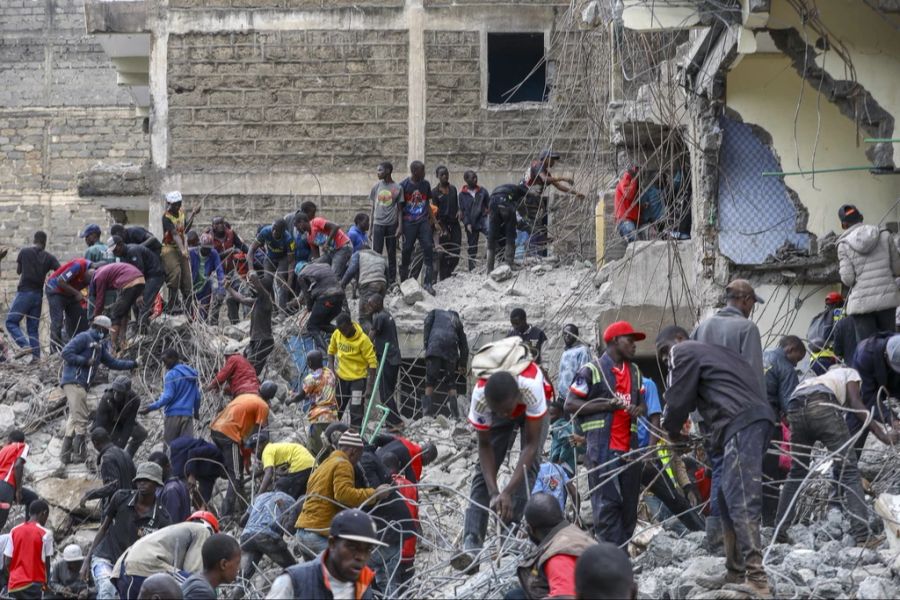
{"type": "Point", "coordinates": [102, 570]}
{"type": "Point", "coordinates": [26, 305]}
{"type": "Point", "coordinates": [311, 543]}
{"type": "Point", "coordinates": [385, 562]}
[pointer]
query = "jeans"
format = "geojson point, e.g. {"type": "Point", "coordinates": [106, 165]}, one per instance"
{"type": "Point", "coordinates": [255, 547]}
{"type": "Point", "coordinates": [26, 305]}
{"type": "Point", "coordinates": [503, 433]}
{"type": "Point", "coordinates": [819, 420]}
{"type": "Point", "coordinates": [280, 268]}
{"type": "Point", "coordinates": [627, 230]}
{"type": "Point", "coordinates": [421, 232]}
{"type": "Point", "coordinates": [318, 325]}
{"type": "Point", "coordinates": [385, 561]}
{"type": "Point", "coordinates": [451, 244]}
{"type": "Point", "coordinates": [385, 236]}
{"type": "Point", "coordinates": [740, 500]}
{"type": "Point", "coordinates": [311, 543]}
{"type": "Point", "coordinates": [772, 482]}
{"type": "Point", "coordinates": [102, 570]}
{"type": "Point", "coordinates": [339, 259]}
{"type": "Point", "coordinates": [65, 309]}
{"type": "Point", "coordinates": [502, 233]}
{"type": "Point", "coordinates": [670, 496]}
{"type": "Point", "coordinates": [294, 484]}
{"type": "Point", "coordinates": [868, 324]}
{"type": "Point", "coordinates": [472, 242]}
{"type": "Point", "coordinates": [614, 500]}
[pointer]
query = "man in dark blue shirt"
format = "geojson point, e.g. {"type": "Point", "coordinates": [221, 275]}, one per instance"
{"type": "Point", "coordinates": [416, 223]}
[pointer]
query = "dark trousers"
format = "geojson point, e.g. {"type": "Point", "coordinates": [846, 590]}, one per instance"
{"type": "Point", "coordinates": [366, 292]}
{"type": "Point", "coordinates": [338, 259]}
{"type": "Point", "coordinates": [152, 286]}
{"type": "Point", "coordinates": [614, 498]}
{"type": "Point", "coordinates": [772, 481]}
{"type": "Point", "coordinates": [740, 500]}
{"type": "Point", "coordinates": [129, 586]}
{"type": "Point", "coordinates": [345, 400]}
{"type": "Point", "coordinates": [451, 242]}
{"type": "Point", "coordinates": [280, 268]}
{"type": "Point", "coordinates": [26, 305]}
{"type": "Point", "coordinates": [385, 236]}
{"type": "Point", "coordinates": [502, 233]}
{"type": "Point", "coordinates": [319, 326]}
{"type": "Point", "coordinates": [386, 388]}
{"type": "Point", "coordinates": [294, 484]}
{"type": "Point", "coordinates": [503, 434]}
{"type": "Point", "coordinates": [869, 324]}
{"type": "Point", "coordinates": [8, 497]}
{"type": "Point", "coordinates": [661, 485]}
{"type": "Point", "coordinates": [234, 468]}
{"type": "Point", "coordinates": [35, 591]}
{"type": "Point", "coordinates": [472, 238]}
{"type": "Point", "coordinates": [420, 232]}
{"type": "Point", "coordinates": [65, 310]}
{"type": "Point", "coordinates": [819, 420]}
{"type": "Point", "coordinates": [258, 352]}
{"type": "Point", "coordinates": [255, 547]}
{"type": "Point", "coordinates": [133, 442]}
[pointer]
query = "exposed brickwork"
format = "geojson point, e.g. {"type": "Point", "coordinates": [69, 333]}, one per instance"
{"type": "Point", "coordinates": [304, 99]}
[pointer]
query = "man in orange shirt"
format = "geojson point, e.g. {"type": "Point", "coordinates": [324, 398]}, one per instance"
{"type": "Point", "coordinates": [241, 418]}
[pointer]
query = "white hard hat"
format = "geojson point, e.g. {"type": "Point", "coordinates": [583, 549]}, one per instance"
{"type": "Point", "coordinates": [102, 321]}
{"type": "Point", "coordinates": [73, 553]}
{"type": "Point", "coordinates": [173, 197]}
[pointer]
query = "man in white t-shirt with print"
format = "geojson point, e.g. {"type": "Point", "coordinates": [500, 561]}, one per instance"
{"type": "Point", "coordinates": [816, 413]}
{"type": "Point", "coordinates": [501, 406]}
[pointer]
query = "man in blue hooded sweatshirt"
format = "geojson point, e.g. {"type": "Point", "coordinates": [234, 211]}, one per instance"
{"type": "Point", "coordinates": [180, 399]}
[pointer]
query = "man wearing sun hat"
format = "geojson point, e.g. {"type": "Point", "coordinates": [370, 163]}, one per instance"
{"type": "Point", "coordinates": [175, 255]}
{"type": "Point", "coordinates": [607, 397]}
{"type": "Point", "coordinates": [340, 571]}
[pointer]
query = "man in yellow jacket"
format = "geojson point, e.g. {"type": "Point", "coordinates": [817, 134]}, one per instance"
{"type": "Point", "coordinates": [331, 488]}
{"type": "Point", "coordinates": [356, 364]}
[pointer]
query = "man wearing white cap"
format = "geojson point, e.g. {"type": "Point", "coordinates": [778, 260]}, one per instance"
{"type": "Point", "coordinates": [64, 579]}
{"type": "Point", "coordinates": [175, 255]}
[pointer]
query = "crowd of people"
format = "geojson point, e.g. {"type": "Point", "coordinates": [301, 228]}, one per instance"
{"type": "Point", "coordinates": [348, 498]}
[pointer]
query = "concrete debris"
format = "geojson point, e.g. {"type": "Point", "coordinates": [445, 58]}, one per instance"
{"type": "Point", "coordinates": [502, 273]}
{"type": "Point", "coordinates": [412, 292]}
{"type": "Point", "coordinates": [590, 15]}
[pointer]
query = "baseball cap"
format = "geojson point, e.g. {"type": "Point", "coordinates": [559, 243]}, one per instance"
{"type": "Point", "coordinates": [892, 352]}
{"type": "Point", "coordinates": [93, 228]}
{"type": "Point", "coordinates": [355, 525]}
{"type": "Point", "coordinates": [72, 553]}
{"type": "Point", "coordinates": [352, 439]}
{"type": "Point", "coordinates": [834, 298]}
{"type": "Point", "coordinates": [206, 241]}
{"type": "Point", "coordinates": [149, 471]}
{"type": "Point", "coordinates": [173, 197]}
{"type": "Point", "coordinates": [742, 287]}
{"type": "Point", "coordinates": [102, 321]}
{"type": "Point", "coordinates": [848, 213]}
{"type": "Point", "coordinates": [620, 328]}
{"type": "Point", "coordinates": [547, 153]}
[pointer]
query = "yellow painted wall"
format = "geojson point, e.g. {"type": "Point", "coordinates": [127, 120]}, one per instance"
{"type": "Point", "coordinates": [765, 90]}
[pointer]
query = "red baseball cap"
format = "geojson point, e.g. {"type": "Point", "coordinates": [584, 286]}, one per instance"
{"type": "Point", "coordinates": [834, 298]}
{"type": "Point", "coordinates": [620, 328]}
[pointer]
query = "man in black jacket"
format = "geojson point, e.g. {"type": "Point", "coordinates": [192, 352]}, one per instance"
{"type": "Point", "coordinates": [117, 414]}
{"type": "Point", "coordinates": [149, 264]}
{"type": "Point", "coordinates": [446, 355]}
{"type": "Point", "coordinates": [725, 389]}
{"type": "Point", "coordinates": [116, 468]}
{"type": "Point", "coordinates": [505, 202]}
{"type": "Point", "coordinates": [878, 361]}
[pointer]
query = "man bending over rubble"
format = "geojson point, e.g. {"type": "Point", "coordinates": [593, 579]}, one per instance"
{"type": "Point", "coordinates": [512, 398]}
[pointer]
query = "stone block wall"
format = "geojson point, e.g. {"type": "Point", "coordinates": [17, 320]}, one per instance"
{"type": "Point", "coordinates": [328, 100]}
{"type": "Point", "coordinates": [285, 4]}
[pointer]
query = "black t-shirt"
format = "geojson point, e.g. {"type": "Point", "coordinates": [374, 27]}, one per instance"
{"type": "Point", "coordinates": [448, 205]}
{"type": "Point", "coordinates": [535, 339]}
{"type": "Point", "coordinates": [33, 266]}
{"type": "Point", "coordinates": [261, 318]}
{"type": "Point", "coordinates": [139, 235]}
{"type": "Point", "coordinates": [385, 330]}
{"type": "Point", "coordinates": [144, 259]}
{"type": "Point", "coordinates": [127, 527]}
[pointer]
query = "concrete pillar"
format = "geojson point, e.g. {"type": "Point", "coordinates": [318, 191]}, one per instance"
{"type": "Point", "coordinates": [415, 15]}
{"type": "Point", "coordinates": [159, 112]}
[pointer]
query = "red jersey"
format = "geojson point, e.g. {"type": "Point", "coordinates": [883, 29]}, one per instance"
{"type": "Point", "coordinates": [8, 457]}
{"type": "Point", "coordinates": [29, 546]}
{"type": "Point", "coordinates": [627, 208]}
{"type": "Point", "coordinates": [620, 432]}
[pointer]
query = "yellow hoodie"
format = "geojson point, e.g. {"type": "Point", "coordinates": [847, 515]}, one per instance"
{"type": "Point", "coordinates": [355, 355]}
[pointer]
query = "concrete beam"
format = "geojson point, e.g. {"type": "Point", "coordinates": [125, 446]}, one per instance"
{"type": "Point", "coordinates": [133, 79]}
{"type": "Point", "coordinates": [640, 15]}
{"type": "Point", "coordinates": [118, 16]}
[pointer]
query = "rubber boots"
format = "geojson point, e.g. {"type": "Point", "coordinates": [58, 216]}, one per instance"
{"type": "Point", "coordinates": [65, 454]}
{"type": "Point", "coordinates": [79, 451]}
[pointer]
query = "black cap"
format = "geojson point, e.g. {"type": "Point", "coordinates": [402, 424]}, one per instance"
{"type": "Point", "coordinates": [545, 154]}
{"type": "Point", "coordinates": [353, 524]}
{"type": "Point", "coordinates": [848, 213]}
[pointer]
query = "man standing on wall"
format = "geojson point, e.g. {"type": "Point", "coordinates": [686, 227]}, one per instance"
{"type": "Point", "coordinates": [417, 223]}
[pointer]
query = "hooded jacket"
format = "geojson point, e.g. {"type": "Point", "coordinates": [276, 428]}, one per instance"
{"type": "Point", "coordinates": [181, 393]}
{"type": "Point", "coordinates": [869, 262]}
{"type": "Point", "coordinates": [78, 353]}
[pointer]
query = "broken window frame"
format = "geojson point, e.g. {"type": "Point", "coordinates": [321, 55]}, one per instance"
{"type": "Point", "coordinates": [549, 73]}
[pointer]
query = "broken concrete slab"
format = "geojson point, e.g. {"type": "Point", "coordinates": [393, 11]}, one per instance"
{"type": "Point", "coordinates": [502, 273]}
{"type": "Point", "coordinates": [412, 292]}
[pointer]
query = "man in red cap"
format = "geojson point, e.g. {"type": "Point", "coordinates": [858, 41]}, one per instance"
{"type": "Point", "coordinates": [607, 397]}
{"type": "Point", "coordinates": [822, 335]}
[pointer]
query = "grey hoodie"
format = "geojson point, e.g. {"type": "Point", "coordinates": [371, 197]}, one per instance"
{"type": "Point", "coordinates": [869, 262]}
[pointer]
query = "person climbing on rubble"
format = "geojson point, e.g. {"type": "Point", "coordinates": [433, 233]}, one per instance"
{"type": "Point", "coordinates": [174, 549]}
{"type": "Point", "coordinates": [410, 494]}
{"type": "Point", "coordinates": [137, 235]}
{"type": "Point", "coordinates": [607, 397]}
{"type": "Point", "coordinates": [64, 300]}
{"type": "Point", "coordinates": [64, 579]}
{"type": "Point", "coordinates": [339, 570]}
{"type": "Point", "coordinates": [32, 266]}
{"type": "Point", "coordinates": [175, 255]}
{"type": "Point", "coordinates": [82, 356]}
{"type": "Point", "coordinates": [575, 355]}
{"type": "Point", "coordinates": [359, 231]}
{"type": "Point", "coordinates": [869, 263]}
{"type": "Point", "coordinates": [827, 332]}
{"type": "Point", "coordinates": [28, 552]}
{"type": "Point", "coordinates": [329, 244]}
{"type": "Point", "coordinates": [720, 384]}
{"type": "Point", "coordinates": [221, 555]}
{"type": "Point", "coordinates": [814, 414]}
{"type": "Point", "coordinates": [262, 340]}
{"type": "Point", "coordinates": [474, 211]}
{"type": "Point", "coordinates": [180, 398]}
{"type": "Point", "coordinates": [324, 298]}
{"type": "Point", "coordinates": [356, 366]}
{"type": "Point", "coordinates": [417, 223]}
{"type": "Point", "coordinates": [548, 570]}
{"type": "Point", "coordinates": [370, 271]}
{"type": "Point", "coordinates": [877, 360]}
{"type": "Point", "coordinates": [12, 467]}
{"type": "Point", "coordinates": [237, 374]}
{"type": "Point", "coordinates": [278, 244]}
{"type": "Point", "coordinates": [174, 495]}
{"type": "Point", "coordinates": [286, 465]}
{"type": "Point", "coordinates": [207, 274]}
{"type": "Point", "coordinates": [446, 357]}
{"type": "Point", "coordinates": [128, 282]}
{"type": "Point", "coordinates": [230, 248]}
{"type": "Point", "coordinates": [131, 514]}
{"type": "Point", "coordinates": [115, 466]}
{"type": "Point", "coordinates": [413, 457]}
{"type": "Point", "coordinates": [117, 413]}
{"type": "Point", "coordinates": [269, 517]}
{"type": "Point", "coordinates": [509, 399]}
{"type": "Point", "coordinates": [199, 464]}
{"type": "Point", "coordinates": [383, 333]}
{"type": "Point", "coordinates": [332, 485]}
{"type": "Point", "coordinates": [626, 205]}
{"type": "Point", "coordinates": [150, 266]}
{"type": "Point", "coordinates": [533, 337]}
{"type": "Point", "coordinates": [536, 206]}
{"type": "Point", "coordinates": [96, 250]}
{"type": "Point", "coordinates": [318, 392]}
{"type": "Point", "coordinates": [446, 198]}
{"type": "Point", "coordinates": [505, 203]}
{"type": "Point", "coordinates": [241, 418]}
{"type": "Point", "coordinates": [385, 198]}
